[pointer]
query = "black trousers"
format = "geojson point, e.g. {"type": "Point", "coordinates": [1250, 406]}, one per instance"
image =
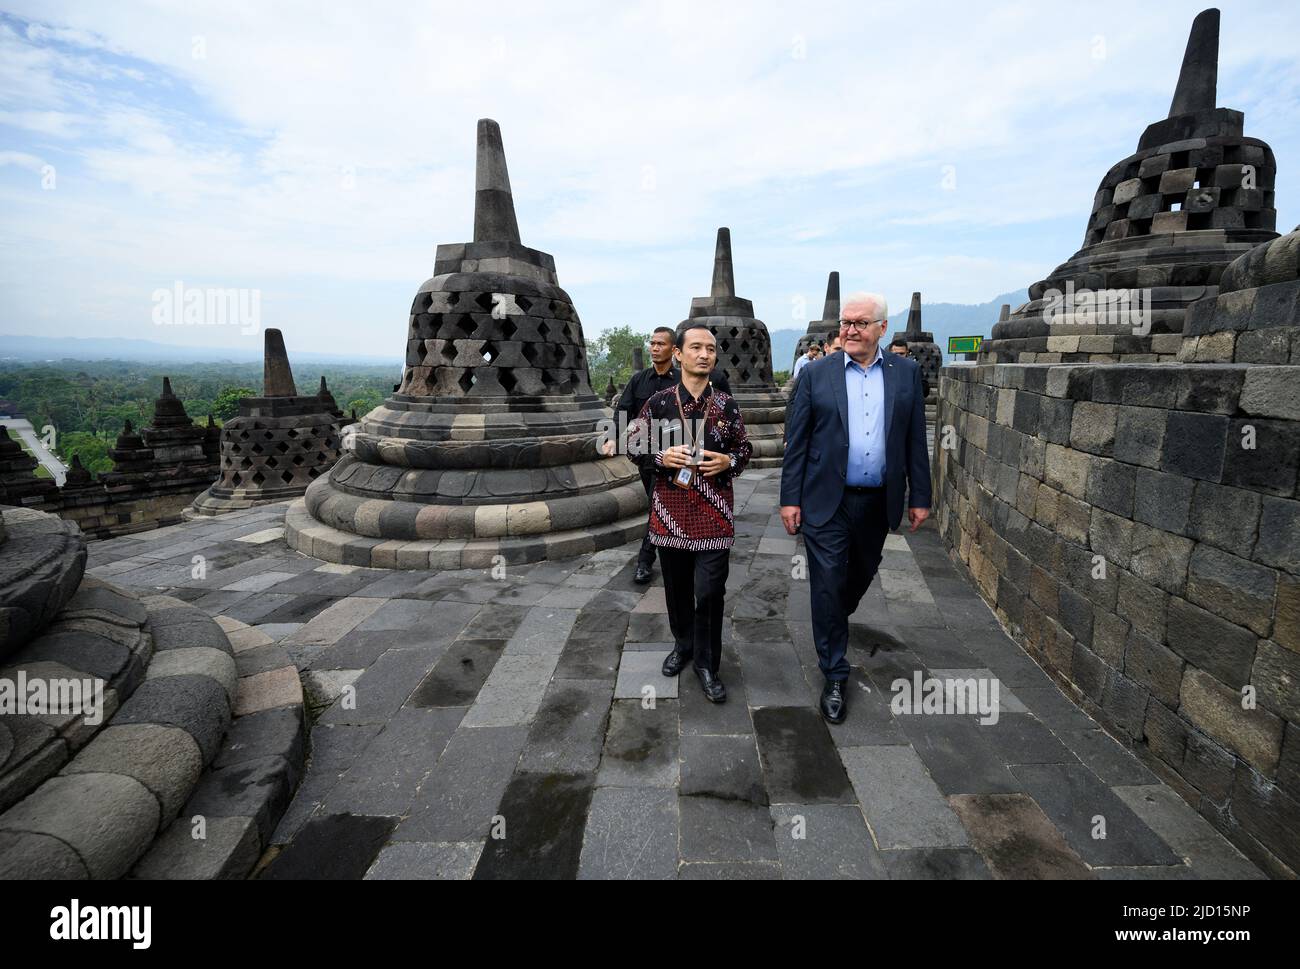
{"type": "Point", "coordinates": [843, 556]}
{"type": "Point", "coordinates": [695, 585]}
{"type": "Point", "coordinates": [647, 556]}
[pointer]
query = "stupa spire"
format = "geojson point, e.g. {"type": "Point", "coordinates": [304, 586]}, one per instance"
{"type": "Point", "coordinates": [1199, 78]}
{"type": "Point", "coordinates": [724, 277]}
{"type": "Point", "coordinates": [277, 378]}
{"type": "Point", "coordinates": [494, 205]}
{"type": "Point", "coordinates": [831, 309]}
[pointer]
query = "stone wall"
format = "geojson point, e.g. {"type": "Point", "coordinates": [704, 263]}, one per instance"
{"type": "Point", "coordinates": [1149, 560]}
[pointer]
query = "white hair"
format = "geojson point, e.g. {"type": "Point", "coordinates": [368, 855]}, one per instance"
{"type": "Point", "coordinates": [878, 302]}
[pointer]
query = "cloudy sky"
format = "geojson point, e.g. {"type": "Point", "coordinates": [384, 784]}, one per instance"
{"type": "Point", "coordinates": [316, 153]}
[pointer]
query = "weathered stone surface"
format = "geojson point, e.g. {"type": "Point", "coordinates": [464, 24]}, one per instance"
{"type": "Point", "coordinates": [107, 819]}
{"type": "Point", "coordinates": [27, 855]}
{"type": "Point", "coordinates": [901, 803]}
{"type": "Point", "coordinates": [426, 862]}
{"type": "Point", "coordinates": [631, 833]}
{"type": "Point", "coordinates": [1074, 800]}
{"type": "Point", "coordinates": [1213, 644]}
{"type": "Point", "coordinates": [825, 841]}
{"type": "Point", "coordinates": [1276, 675]}
{"type": "Point", "coordinates": [228, 850]}
{"type": "Point", "coordinates": [166, 760]}
{"type": "Point", "coordinates": [1255, 735]}
{"type": "Point", "coordinates": [196, 704]}
{"type": "Point", "coordinates": [1016, 838]}
{"type": "Point", "coordinates": [543, 817]}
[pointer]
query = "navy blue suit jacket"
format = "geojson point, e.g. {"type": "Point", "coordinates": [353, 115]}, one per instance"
{"type": "Point", "coordinates": [817, 440]}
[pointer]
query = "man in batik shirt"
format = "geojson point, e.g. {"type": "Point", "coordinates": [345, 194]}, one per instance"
{"type": "Point", "coordinates": [691, 507]}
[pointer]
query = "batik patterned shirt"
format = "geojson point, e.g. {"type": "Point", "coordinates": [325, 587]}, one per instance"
{"type": "Point", "coordinates": [701, 517]}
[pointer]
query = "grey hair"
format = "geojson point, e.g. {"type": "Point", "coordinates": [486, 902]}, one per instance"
{"type": "Point", "coordinates": [879, 302]}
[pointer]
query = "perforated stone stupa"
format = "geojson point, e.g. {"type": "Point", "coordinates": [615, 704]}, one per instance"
{"type": "Point", "coordinates": [279, 444]}
{"type": "Point", "coordinates": [744, 355]}
{"type": "Point", "coordinates": [1168, 219]}
{"type": "Point", "coordinates": [489, 445]}
{"type": "Point", "coordinates": [921, 345]}
{"type": "Point", "coordinates": [819, 329]}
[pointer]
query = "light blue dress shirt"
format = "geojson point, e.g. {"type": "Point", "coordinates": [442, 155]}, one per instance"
{"type": "Point", "coordinates": [866, 393]}
{"type": "Point", "coordinates": [799, 365]}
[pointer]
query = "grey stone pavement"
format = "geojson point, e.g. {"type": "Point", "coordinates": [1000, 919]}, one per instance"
{"type": "Point", "coordinates": [515, 724]}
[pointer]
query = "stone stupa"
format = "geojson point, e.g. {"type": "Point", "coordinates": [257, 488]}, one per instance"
{"type": "Point", "coordinates": [921, 346]}
{"type": "Point", "coordinates": [1166, 221]}
{"type": "Point", "coordinates": [489, 446]}
{"type": "Point", "coordinates": [744, 355]}
{"type": "Point", "coordinates": [278, 444]}
{"type": "Point", "coordinates": [819, 330]}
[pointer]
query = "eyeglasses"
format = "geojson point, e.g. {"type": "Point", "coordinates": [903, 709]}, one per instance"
{"type": "Point", "coordinates": [860, 325]}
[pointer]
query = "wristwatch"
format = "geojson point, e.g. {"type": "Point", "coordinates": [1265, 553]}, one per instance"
{"type": "Point", "coordinates": [732, 466]}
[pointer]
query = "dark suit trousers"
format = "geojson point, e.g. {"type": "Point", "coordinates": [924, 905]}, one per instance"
{"type": "Point", "coordinates": [843, 556]}
{"type": "Point", "coordinates": [695, 584]}
{"type": "Point", "coordinates": [647, 556]}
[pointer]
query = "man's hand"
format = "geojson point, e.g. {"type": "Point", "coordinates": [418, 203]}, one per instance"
{"type": "Point", "coordinates": [917, 516]}
{"type": "Point", "coordinates": [678, 456]}
{"type": "Point", "coordinates": [714, 463]}
{"type": "Point", "coordinates": [791, 518]}
{"type": "Point", "coordinates": [607, 448]}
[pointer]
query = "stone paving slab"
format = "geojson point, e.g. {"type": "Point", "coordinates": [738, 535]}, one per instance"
{"type": "Point", "coordinates": [500, 727]}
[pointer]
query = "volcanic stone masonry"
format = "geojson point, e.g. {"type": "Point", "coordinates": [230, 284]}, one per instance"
{"type": "Point", "coordinates": [156, 472]}
{"type": "Point", "coordinates": [1166, 221]}
{"type": "Point", "coordinates": [489, 446]}
{"type": "Point", "coordinates": [818, 330]}
{"type": "Point", "coordinates": [1136, 526]}
{"type": "Point", "coordinates": [744, 355]}
{"type": "Point", "coordinates": [280, 442]}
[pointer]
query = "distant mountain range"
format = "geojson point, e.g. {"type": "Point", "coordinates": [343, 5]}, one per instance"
{"type": "Point", "coordinates": [941, 319]}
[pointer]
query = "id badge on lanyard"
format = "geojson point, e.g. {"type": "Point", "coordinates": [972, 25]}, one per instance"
{"type": "Point", "coordinates": [685, 476]}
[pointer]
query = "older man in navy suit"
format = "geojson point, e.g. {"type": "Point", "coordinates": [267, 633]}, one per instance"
{"type": "Point", "coordinates": [854, 446]}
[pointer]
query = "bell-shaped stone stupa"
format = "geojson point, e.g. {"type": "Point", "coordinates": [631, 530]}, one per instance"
{"type": "Point", "coordinates": [1165, 223]}
{"type": "Point", "coordinates": [745, 356]}
{"type": "Point", "coordinates": [489, 446]}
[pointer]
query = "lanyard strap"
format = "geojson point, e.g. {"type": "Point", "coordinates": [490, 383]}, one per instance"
{"type": "Point", "coordinates": [708, 412]}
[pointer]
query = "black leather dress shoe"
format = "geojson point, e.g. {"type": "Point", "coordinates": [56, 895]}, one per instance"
{"type": "Point", "coordinates": [713, 689]}
{"type": "Point", "coordinates": [643, 575]}
{"type": "Point", "coordinates": [675, 662]}
{"type": "Point", "coordinates": [834, 703]}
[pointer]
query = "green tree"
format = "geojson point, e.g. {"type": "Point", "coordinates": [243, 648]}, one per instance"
{"type": "Point", "coordinates": [226, 405]}
{"type": "Point", "coordinates": [610, 354]}
{"type": "Point", "coordinates": [93, 451]}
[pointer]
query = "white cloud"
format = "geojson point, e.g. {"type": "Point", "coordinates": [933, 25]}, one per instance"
{"type": "Point", "coordinates": [330, 148]}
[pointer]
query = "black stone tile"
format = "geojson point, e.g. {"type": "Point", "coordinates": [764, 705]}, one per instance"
{"type": "Point", "coordinates": [726, 768]}
{"type": "Point", "coordinates": [935, 864]}
{"type": "Point", "coordinates": [495, 622]}
{"type": "Point", "coordinates": [1073, 797]}
{"type": "Point", "coordinates": [302, 608]}
{"type": "Point", "coordinates": [337, 846]}
{"type": "Point", "coordinates": [545, 815]}
{"type": "Point", "coordinates": [585, 659]}
{"type": "Point", "coordinates": [459, 673]}
{"type": "Point", "coordinates": [606, 628]}
{"type": "Point", "coordinates": [800, 762]}
{"type": "Point", "coordinates": [1020, 738]}
{"type": "Point", "coordinates": [954, 751]}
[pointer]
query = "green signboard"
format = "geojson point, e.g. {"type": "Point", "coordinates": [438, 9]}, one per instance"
{"type": "Point", "coordinates": [964, 344]}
